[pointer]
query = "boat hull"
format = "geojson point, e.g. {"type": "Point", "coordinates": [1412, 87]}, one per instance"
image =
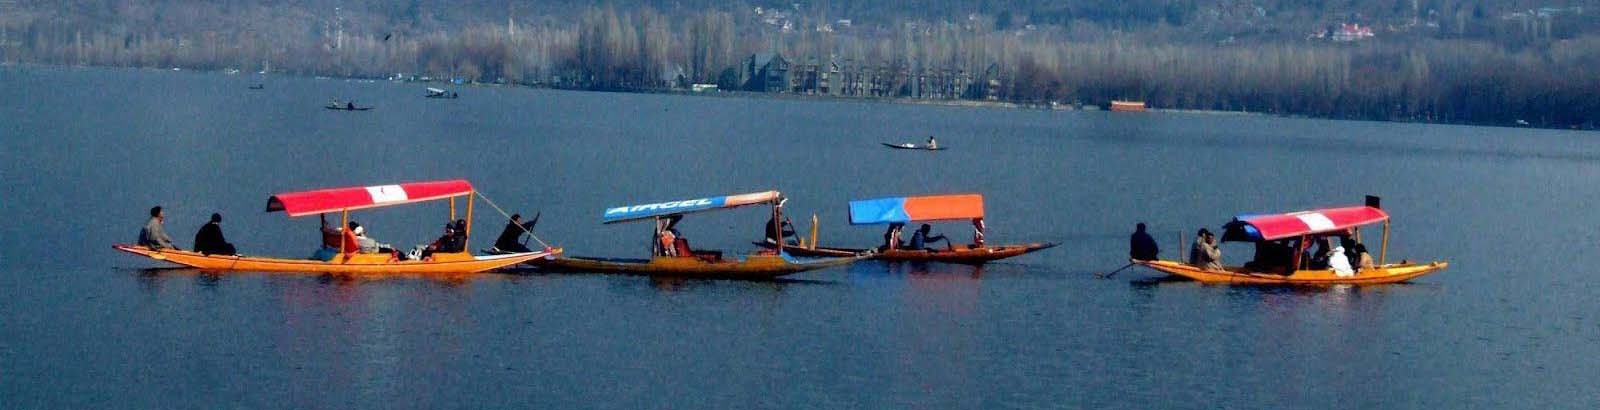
{"type": "Point", "coordinates": [754, 267]}
{"type": "Point", "coordinates": [912, 147]}
{"type": "Point", "coordinates": [962, 255]}
{"type": "Point", "coordinates": [958, 255]}
{"type": "Point", "coordinates": [817, 252]}
{"type": "Point", "coordinates": [1393, 273]}
{"type": "Point", "coordinates": [359, 264]}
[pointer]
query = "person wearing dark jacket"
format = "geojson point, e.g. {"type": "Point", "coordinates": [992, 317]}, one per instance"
{"type": "Point", "coordinates": [514, 230]}
{"type": "Point", "coordinates": [210, 240]}
{"type": "Point", "coordinates": [451, 242]}
{"type": "Point", "coordinates": [774, 228]}
{"type": "Point", "coordinates": [1142, 247]}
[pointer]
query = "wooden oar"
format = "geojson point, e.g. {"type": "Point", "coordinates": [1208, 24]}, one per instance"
{"type": "Point", "coordinates": [529, 229]}
{"type": "Point", "coordinates": [1108, 275]}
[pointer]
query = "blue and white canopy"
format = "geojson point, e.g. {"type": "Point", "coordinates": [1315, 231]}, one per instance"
{"type": "Point", "coordinates": [686, 206]}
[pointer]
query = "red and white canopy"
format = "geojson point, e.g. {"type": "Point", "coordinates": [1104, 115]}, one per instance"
{"type": "Point", "coordinates": [1279, 226]}
{"type": "Point", "coordinates": [343, 199]}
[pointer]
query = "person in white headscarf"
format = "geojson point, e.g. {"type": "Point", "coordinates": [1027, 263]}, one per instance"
{"type": "Point", "coordinates": [1339, 264]}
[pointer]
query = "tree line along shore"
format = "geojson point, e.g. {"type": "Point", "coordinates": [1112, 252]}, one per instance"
{"type": "Point", "coordinates": [1546, 77]}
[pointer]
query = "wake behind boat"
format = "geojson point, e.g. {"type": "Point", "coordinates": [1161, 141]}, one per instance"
{"type": "Point", "coordinates": [346, 258]}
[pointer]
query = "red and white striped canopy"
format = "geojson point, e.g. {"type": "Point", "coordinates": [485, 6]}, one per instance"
{"type": "Point", "coordinates": [343, 199]}
{"type": "Point", "coordinates": [1279, 226]}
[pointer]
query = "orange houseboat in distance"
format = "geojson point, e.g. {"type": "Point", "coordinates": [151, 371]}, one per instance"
{"type": "Point", "coordinates": [1293, 233]}
{"type": "Point", "coordinates": [344, 200]}
{"type": "Point", "coordinates": [1127, 106]}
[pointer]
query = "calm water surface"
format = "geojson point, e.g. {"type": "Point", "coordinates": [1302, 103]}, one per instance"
{"type": "Point", "coordinates": [84, 153]}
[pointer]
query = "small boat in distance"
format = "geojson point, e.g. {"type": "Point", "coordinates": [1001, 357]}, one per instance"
{"type": "Point", "coordinates": [348, 260]}
{"type": "Point", "coordinates": [1127, 106]}
{"type": "Point", "coordinates": [346, 106]}
{"type": "Point", "coordinates": [258, 86]}
{"type": "Point", "coordinates": [677, 259]}
{"type": "Point", "coordinates": [908, 145]}
{"type": "Point", "coordinates": [1283, 239]}
{"type": "Point", "coordinates": [440, 93]}
{"type": "Point", "coordinates": [932, 208]}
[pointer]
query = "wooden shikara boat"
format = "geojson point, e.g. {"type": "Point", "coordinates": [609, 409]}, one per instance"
{"type": "Point", "coordinates": [676, 259]}
{"type": "Point", "coordinates": [344, 200]}
{"type": "Point", "coordinates": [1295, 232]}
{"type": "Point", "coordinates": [752, 267]}
{"type": "Point", "coordinates": [1391, 273]}
{"type": "Point", "coordinates": [957, 255]}
{"type": "Point", "coordinates": [358, 263]}
{"type": "Point", "coordinates": [901, 210]}
{"type": "Point", "coordinates": [976, 255]}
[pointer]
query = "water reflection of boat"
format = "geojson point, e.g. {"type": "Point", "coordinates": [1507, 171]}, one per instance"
{"type": "Point", "coordinates": [347, 260]}
{"type": "Point", "coordinates": [678, 259]}
{"type": "Point", "coordinates": [1297, 231]}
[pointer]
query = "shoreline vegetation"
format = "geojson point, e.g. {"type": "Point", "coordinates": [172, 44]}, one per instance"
{"type": "Point", "coordinates": [1438, 61]}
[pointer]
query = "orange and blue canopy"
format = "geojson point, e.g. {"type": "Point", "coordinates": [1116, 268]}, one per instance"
{"type": "Point", "coordinates": [352, 198]}
{"type": "Point", "coordinates": [916, 209]}
{"type": "Point", "coordinates": [1270, 227]}
{"type": "Point", "coordinates": [685, 206]}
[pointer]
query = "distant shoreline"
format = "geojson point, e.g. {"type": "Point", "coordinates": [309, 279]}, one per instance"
{"type": "Point", "coordinates": [798, 97]}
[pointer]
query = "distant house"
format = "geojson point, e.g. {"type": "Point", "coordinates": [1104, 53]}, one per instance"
{"type": "Point", "coordinates": [766, 72]}
{"type": "Point", "coordinates": [1352, 32]}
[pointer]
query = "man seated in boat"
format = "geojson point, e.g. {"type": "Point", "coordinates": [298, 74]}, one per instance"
{"type": "Point", "coordinates": [773, 228]}
{"type": "Point", "coordinates": [154, 233]}
{"type": "Point", "coordinates": [1274, 257]}
{"type": "Point", "coordinates": [1204, 253]}
{"type": "Point", "coordinates": [1363, 259]}
{"type": "Point", "coordinates": [933, 144]}
{"type": "Point", "coordinates": [449, 242]}
{"type": "Point", "coordinates": [210, 241]}
{"type": "Point", "coordinates": [368, 245]}
{"type": "Point", "coordinates": [977, 233]}
{"type": "Point", "coordinates": [891, 237]}
{"type": "Point", "coordinates": [924, 237]}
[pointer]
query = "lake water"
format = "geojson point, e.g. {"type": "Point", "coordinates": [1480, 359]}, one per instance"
{"type": "Point", "coordinates": [85, 152]}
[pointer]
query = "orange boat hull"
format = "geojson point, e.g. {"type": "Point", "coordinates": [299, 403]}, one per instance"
{"type": "Point", "coordinates": [358, 264]}
{"type": "Point", "coordinates": [757, 267]}
{"type": "Point", "coordinates": [962, 255]}
{"type": "Point", "coordinates": [1393, 273]}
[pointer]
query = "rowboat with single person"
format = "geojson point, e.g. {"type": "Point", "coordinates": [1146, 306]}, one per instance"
{"type": "Point", "coordinates": [1282, 241]}
{"type": "Point", "coordinates": [672, 256]}
{"type": "Point", "coordinates": [932, 208]}
{"type": "Point", "coordinates": [347, 260]}
{"type": "Point", "coordinates": [908, 145]}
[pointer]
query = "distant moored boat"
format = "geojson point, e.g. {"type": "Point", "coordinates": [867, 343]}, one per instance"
{"type": "Point", "coordinates": [1127, 106]}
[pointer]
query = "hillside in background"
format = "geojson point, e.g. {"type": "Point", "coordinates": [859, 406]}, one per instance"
{"type": "Point", "coordinates": [1450, 61]}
